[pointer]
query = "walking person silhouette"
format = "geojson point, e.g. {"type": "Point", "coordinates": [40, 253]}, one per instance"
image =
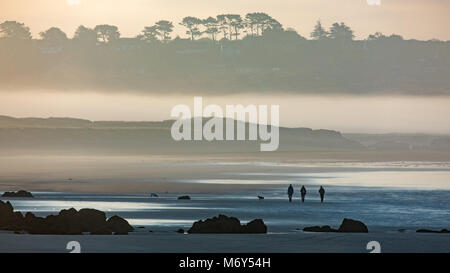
{"type": "Point", "coordinates": [290, 192]}
{"type": "Point", "coordinates": [322, 194]}
{"type": "Point", "coordinates": [303, 193]}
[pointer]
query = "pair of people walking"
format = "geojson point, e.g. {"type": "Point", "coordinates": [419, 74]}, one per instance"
{"type": "Point", "coordinates": [303, 193]}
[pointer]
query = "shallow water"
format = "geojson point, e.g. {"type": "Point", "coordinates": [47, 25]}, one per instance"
{"type": "Point", "coordinates": [382, 209]}
{"type": "Point", "coordinates": [387, 197]}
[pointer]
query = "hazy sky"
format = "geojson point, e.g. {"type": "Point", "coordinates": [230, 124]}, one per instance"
{"type": "Point", "coordinates": [420, 19]}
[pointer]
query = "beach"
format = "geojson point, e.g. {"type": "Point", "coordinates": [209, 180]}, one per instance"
{"type": "Point", "coordinates": [227, 243]}
{"type": "Point", "coordinates": [393, 199]}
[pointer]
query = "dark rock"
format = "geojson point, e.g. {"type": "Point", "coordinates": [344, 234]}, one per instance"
{"type": "Point", "coordinates": [153, 195]}
{"type": "Point", "coordinates": [180, 230]}
{"type": "Point", "coordinates": [184, 197]}
{"type": "Point", "coordinates": [101, 232]}
{"type": "Point", "coordinates": [319, 229]}
{"type": "Point", "coordinates": [20, 193]}
{"type": "Point", "coordinates": [225, 224]}
{"type": "Point", "coordinates": [35, 225]}
{"type": "Point", "coordinates": [86, 220]}
{"type": "Point", "coordinates": [68, 213]}
{"type": "Point", "coordinates": [17, 221]}
{"type": "Point", "coordinates": [119, 225]}
{"type": "Point", "coordinates": [52, 224]}
{"type": "Point", "coordinates": [29, 219]}
{"type": "Point", "coordinates": [220, 224]}
{"type": "Point", "coordinates": [104, 231]}
{"type": "Point", "coordinates": [9, 220]}
{"type": "Point", "coordinates": [6, 209]}
{"type": "Point", "coordinates": [256, 226]}
{"type": "Point", "coordinates": [260, 197]}
{"type": "Point", "coordinates": [350, 225]}
{"type": "Point", "coordinates": [67, 222]}
{"type": "Point", "coordinates": [422, 230]}
{"type": "Point", "coordinates": [92, 220]}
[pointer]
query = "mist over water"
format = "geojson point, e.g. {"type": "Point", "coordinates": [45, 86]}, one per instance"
{"type": "Point", "coordinates": [345, 113]}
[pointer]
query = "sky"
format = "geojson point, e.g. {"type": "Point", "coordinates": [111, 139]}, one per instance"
{"type": "Point", "coordinates": [418, 19]}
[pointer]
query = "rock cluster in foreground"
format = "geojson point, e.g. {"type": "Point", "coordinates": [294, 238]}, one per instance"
{"type": "Point", "coordinates": [225, 224]}
{"type": "Point", "coordinates": [347, 225]}
{"type": "Point", "coordinates": [20, 193]}
{"type": "Point", "coordinates": [67, 222]}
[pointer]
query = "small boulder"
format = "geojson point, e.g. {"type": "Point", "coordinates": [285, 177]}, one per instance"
{"type": "Point", "coordinates": [184, 197]}
{"type": "Point", "coordinates": [352, 226]}
{"type": "Point", "coordinates": [180, 230]}
{"type": "Point", "coordinates": [225, 224]}
{"type": "Point", "coordinates": [255, 226]}
{"type": "Point", "coordinates": [219, 224]}
{"type": "Point", "coordinates": [118, 225]}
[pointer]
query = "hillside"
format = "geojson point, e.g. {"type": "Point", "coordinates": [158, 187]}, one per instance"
{"type": "Point", "coordinates": [77, 136]}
